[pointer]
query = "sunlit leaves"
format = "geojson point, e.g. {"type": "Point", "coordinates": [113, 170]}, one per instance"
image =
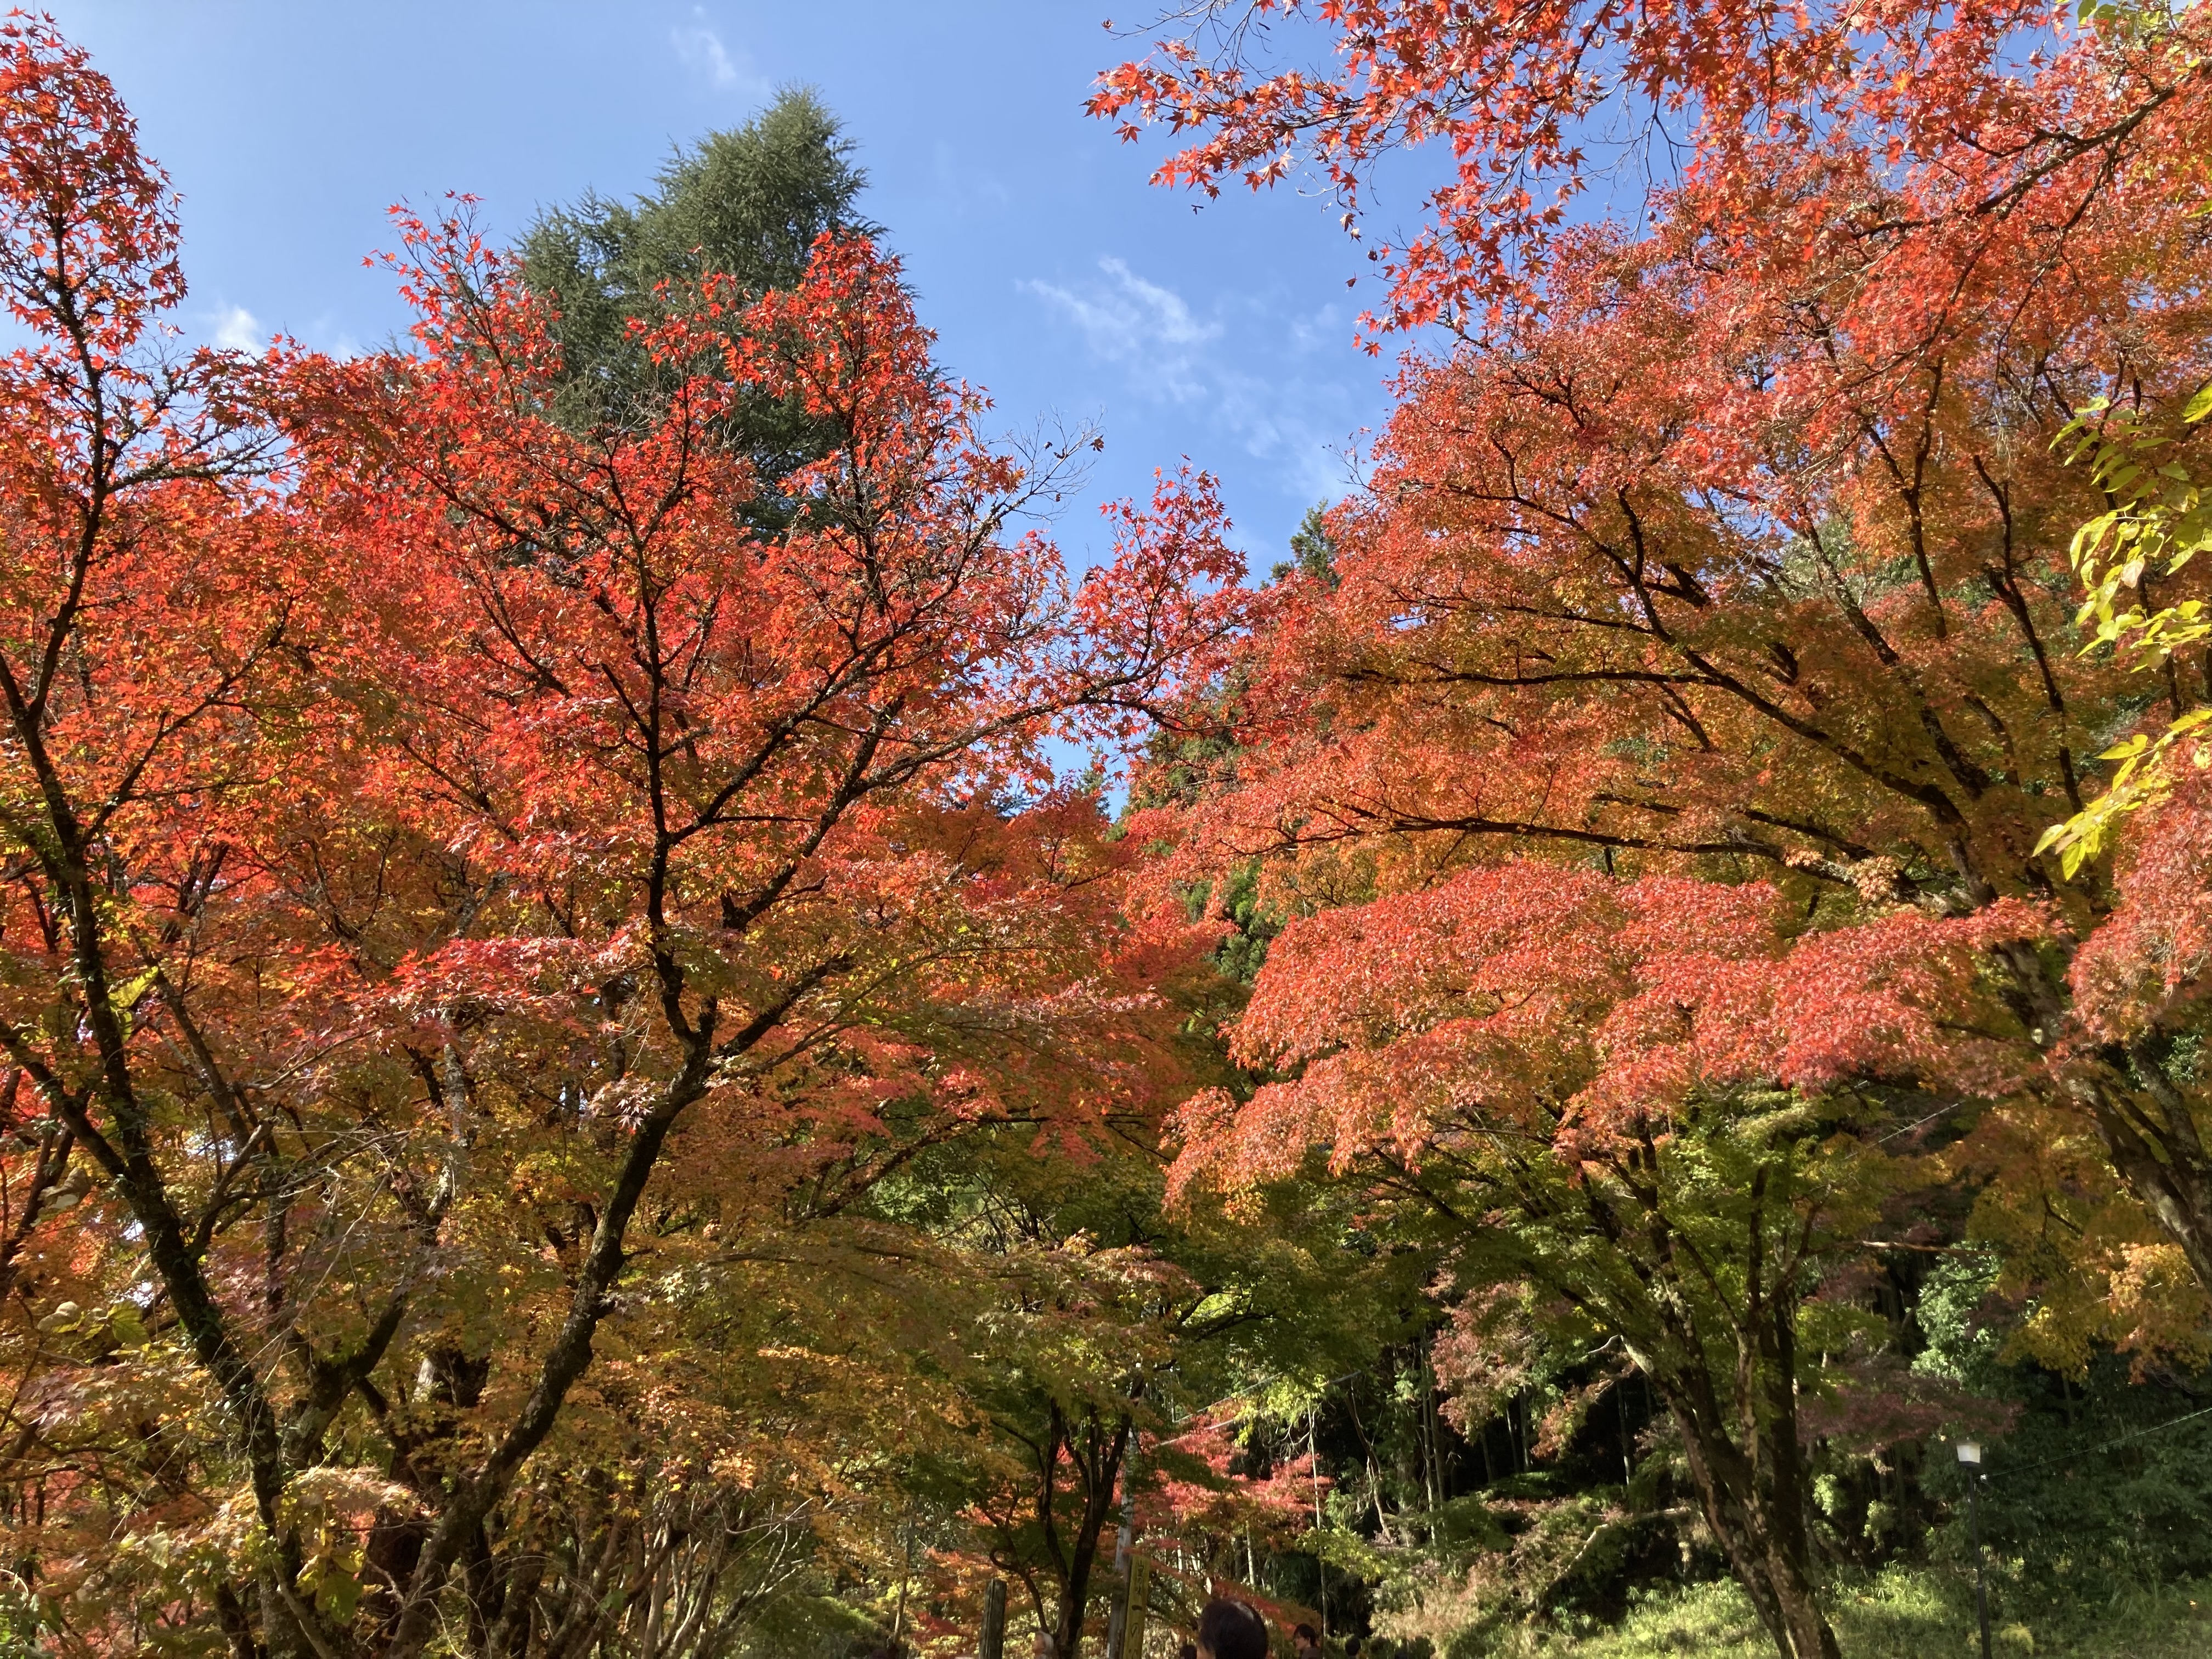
{"type": "Point", "coordinates": [2158, 520]}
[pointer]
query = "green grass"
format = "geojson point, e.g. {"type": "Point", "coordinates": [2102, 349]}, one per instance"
{"type": "Point", "coordinates": [1916, 1614]}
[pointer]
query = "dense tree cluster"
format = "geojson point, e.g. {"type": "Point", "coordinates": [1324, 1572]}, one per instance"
{"type": "Point", "coordinates": [575, 1085]}
{"type": "Point", "coordinates": [1654, 792]}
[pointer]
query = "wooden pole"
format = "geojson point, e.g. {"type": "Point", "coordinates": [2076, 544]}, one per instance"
{"type": "Point", "coordinates": [899, 1619]}
{"type": "Point", "coordinates": [1141, 1595]}
{"type": "Point", "coordinates": [1117, 1614]}
{"type": "Point", "coordinates": [993, 1643]}
{"type": "Point", "coordinates": [1321, 1561]}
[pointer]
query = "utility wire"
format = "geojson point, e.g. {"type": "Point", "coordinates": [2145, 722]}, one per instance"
{"type": "Point", "coordinates": [1923, 1123]}
{"type": "Point", "coordinates": [2089, 1451]}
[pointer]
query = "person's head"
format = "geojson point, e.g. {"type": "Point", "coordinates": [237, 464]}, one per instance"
{"type": "Point", "coordinates": [1230, 1629]}
{"type": "Point", "coordinates": [1352, 1647]}
{"type": "Point", "coordinates": [1042, 1647]}
{"type": "Point", "coordinates": [1305, 1638]}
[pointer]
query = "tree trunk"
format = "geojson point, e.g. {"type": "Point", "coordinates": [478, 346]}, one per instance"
{"type": "Point", "coordinates": [1758, 1516]}
{"type": "Point", "coordinates": [1125, 1542]}
{"type": "Point", "coordinates": [2161, 1157]}
{"type": "Point", "coordinates": [1100, 1461]}
{"type": "Point", "coordinates": [2147, 1121]}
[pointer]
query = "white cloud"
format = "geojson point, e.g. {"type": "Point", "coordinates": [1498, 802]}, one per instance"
{"type": "Point", "coordinates": [963, 184]}
{"type": "Point", "coordinates": [1148, 328]}
{"type": "Point", "coordinates": [1296, 423]}
{"type": "Point", "coordinates": [1326, 329]}
{"type": "Point", "coordinates": [327, 333]}
{"type": "Point", "coordinates": [700, 47]}
{"type": "Point", "coordinates": [237, 330]}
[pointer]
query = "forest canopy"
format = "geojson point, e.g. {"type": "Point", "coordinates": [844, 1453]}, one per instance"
{"type": "Point", "coordinates": [581, 1077]}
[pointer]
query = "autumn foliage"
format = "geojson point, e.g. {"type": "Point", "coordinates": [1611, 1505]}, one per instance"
{"type": "Point", "coordinates": [1980, 112]}
{"type": "Point", "coordinates": [1750, 565]}
{"type": "Point", "coordinates": [570, 1062]}
{"type": "Point", "coordinates": [455, 860]}
{"type": "Point", "coordinates": [1666, 748]}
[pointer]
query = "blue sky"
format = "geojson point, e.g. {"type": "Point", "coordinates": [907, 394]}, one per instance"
{"type": "Point", "coordinates": [1056, 276]}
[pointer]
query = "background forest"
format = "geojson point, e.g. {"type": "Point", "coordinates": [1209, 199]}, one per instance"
{"type": "Point", "coordinates": [584, 1075]}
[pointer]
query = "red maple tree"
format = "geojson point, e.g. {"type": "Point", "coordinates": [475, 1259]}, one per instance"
{"type": "Point", "coordinates": [1983, 112]}
{"type": "Point", "coordinates": [1758, 567]}
{"type": "Point", "coordinates": [479, 859]}
{"type": "Point", "coordinates": [1648, 787]}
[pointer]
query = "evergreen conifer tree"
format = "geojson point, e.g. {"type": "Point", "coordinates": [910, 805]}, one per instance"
{"type": "Point", "coordinates": [746, 202]}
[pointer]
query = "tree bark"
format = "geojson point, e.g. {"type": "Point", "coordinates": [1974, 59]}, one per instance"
{"type": "Point", "coordinates": [1100, 1460]}
{"type": "Point", "coordinates": [2155, 1146]}
{"type": "Point", "coordinates": [1757, 1514]}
